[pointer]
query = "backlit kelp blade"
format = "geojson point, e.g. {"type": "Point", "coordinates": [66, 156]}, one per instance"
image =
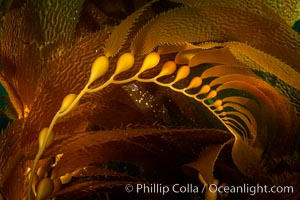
{"type": "Point", "coordinates": [102, 103]}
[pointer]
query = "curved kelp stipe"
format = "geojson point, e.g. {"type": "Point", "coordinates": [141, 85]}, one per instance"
{"type": "Point", "coordinates": [248, 112]}
{"type": "Point", "coordinates": [214, 83]}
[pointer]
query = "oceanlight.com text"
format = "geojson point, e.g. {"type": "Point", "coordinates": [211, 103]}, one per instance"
{"type": "Point", "coordinates": [158, 188]}
{"type": "Point", "coordinates": [250, 189]}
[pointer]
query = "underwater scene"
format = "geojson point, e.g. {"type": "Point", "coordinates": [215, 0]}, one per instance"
{"type": "Point", "coordinates": [149, 99]}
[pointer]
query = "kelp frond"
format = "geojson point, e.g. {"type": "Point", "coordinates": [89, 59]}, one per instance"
{"type": "Point", "coordinates": [234, 63]}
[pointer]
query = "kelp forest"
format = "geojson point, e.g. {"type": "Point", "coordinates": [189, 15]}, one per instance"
{"type": "Point", "coordinates": [149, 99]}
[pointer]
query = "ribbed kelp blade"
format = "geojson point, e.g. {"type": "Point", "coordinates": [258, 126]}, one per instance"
{"type": "Point", "coordinates": [222, 70]}
{"type": "Point", "coordinates": [119, 35]}
{"type": "Point", "coordinates": [10, 166]}
{"type": "Point", "coordinates": [221, 22]}
{"type": "Point", "coordinates": [271, 36]}
{"type": "Point", "coordinates": [288, 10]}
{"type": "Point", "coordinates": [249, 108]}
{"type": "Point", "coordinates": [199, 56]}
{"type": "Point", "coordinates": [4, 8]}
{"type": "Point", "coordinates": [190, 3]}
{"type": "Point", "coordinates": [172, 48]}
{"type": "Point", "coordinates": [206, 162]}
{"type": "Point", "coordinates": [109, 176]}
{"type": "Point", "coordinates": [246, 109]}
{"type": "Point", "coordinates": [250, 111]}
{"type": "Point", "coordinates": [277, 10]}
{"type": "Point", "coordinates": [285, 10]}
{"type": "Point", "coordinates": [112, 113]}
{"type": "Point", "coordinates": [179, 25]}
{"type": "Point", "coordinates": [243, 116]}
{"type": "Point", "coordinates": [156, 154]}
{"type": "Point", "coordinates": [264, 95]}
{"type": "Point", "coordinates": [27, 46]}
{"type": "Point", "coordinates": [102, 184]}
{"type": "Point", "coordinates": [236, 53]}
{"type": "Point", "coordinates": [188, 112]}
{"type": "Point", "coordinates": [56, 20]}
{"type": "Point", "coordinates": [262, 61]}
{"type": "Point", "coordinates": [173, 109]}
{"type": "Point", "coordinates": [20, 58]}
{"type": "Point", "coordinates": [58, 80]}
{"type": "Point", "coordinates": [272, 70]}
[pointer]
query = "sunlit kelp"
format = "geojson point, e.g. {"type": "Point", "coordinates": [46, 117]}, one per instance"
{"type": "Point", "coordinates": [226, 67]}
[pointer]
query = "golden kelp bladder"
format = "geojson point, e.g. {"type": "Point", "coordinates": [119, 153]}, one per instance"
{"type": "Point", "coordinates": [234, 64]}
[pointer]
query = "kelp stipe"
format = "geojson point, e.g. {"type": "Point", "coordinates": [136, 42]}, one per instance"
{"type": "Point", "coordinates": [232, 111]}
{"type": "Point", "coordinates": [241, 112]}
{"type": "Point", "coordinates": [232, 68]}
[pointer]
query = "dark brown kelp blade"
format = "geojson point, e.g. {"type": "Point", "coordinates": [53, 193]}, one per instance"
{"type": "Point", "coordinates": [151, 151]}
{"type": "Point", "coordinates": [119, 35]}
{"type": "Point", "coordinates": [134, 138]}
{"type": "Point", "coordinates": [110, 139]}
{"type": "Point", "coordinates": [27, 46]}
{"type": "Point", "coordinates": [206, 162]}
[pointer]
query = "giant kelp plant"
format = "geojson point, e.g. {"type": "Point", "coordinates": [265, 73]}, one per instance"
{"type": "Point", "coordinates": [110, 93]}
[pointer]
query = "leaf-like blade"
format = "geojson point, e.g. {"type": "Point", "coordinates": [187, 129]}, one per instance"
{"type": "Point", "coordinates": [176, 26]}
{"type": "Point", "coordinates": [235, 77]}
{"type": "Point", "coordinates": [205, 163]}
{"type": "Point", "coordinates": [246, 116]}
{"type": "Point", "coordinates": [132, 145]}
{"type": "Point", "coordinates": [198, 56]}
{"type": "Point", "coordinates": [259, 60]}
{"type": "Point", "coordinates": [288, 10]}
{"type": "Point", "coordinates": [119, 35]}
{"type": "Point", "coordinates": [222, 70]}
{"type": "Point", "coordinates": [56, 21]}
{"type": "Point", "coordinates": [282, 42]}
